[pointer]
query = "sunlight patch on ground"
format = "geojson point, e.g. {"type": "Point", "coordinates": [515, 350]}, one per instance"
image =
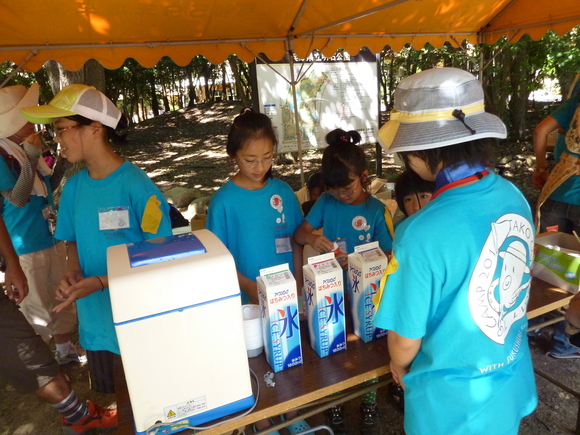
{"type": "Point", "coordinates": [157, 172]}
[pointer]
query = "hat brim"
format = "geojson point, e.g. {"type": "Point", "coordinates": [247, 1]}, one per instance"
{"type": "Point", "coordinates": [44, 114]}
{"type": "Point", "coordinates": [437, 134]}
{"type": "Point", "coordinates": [12, 121]}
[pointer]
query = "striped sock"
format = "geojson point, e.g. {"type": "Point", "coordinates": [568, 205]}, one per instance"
{"type": "Point", "coordinates": [71, 408]}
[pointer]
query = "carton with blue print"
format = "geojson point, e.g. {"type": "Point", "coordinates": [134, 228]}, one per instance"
{"type": "Point", "coordinates": [366, 266]}
{"type": "Point", "coordinates": [324, 294]}
{"type": "Point", "coordinates": [557, 260]}
{"type": "Point", "coordinates": [280, 321]}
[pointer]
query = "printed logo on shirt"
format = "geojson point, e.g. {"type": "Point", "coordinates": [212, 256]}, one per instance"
{"type": "Point", "coordinates": [500, 282]}
{"type": "Point", "coordinates": [276, 203]}
{"type": "Point", "coordinates": [359, 223]}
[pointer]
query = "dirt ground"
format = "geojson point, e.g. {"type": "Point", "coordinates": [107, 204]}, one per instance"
{"type": "Point", "coordinates": [187, 148]}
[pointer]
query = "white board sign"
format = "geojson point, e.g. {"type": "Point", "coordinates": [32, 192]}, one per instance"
{"type": "Point", "coordinates": [330, 95]}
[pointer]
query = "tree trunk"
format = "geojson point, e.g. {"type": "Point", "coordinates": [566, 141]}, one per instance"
{"type": "Point", "coordinates": [241, 94]}
{"type": "Point", "coordinates": [91, 74]}
{"type": "Point", "coordinates": [154, 100]}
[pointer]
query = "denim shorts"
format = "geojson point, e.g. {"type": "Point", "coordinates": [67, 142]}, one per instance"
{"type": "Point", "coordinates": [566, 217]}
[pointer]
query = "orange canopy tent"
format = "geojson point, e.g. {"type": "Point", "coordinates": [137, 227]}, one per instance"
{"type": "Point", "coordinates": [72, 31]}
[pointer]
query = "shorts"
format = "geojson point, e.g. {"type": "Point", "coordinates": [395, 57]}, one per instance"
{"type": "Point", "coordinates": [26, 362]}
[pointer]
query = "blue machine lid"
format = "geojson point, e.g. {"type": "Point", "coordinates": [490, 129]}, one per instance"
{"type": "Point", "coordinates": [164, 249]}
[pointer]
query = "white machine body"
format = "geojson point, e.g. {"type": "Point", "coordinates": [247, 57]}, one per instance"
{"type": "Point", "coordinates": [178, 318]}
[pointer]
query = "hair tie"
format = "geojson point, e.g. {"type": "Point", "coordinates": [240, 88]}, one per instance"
{"type": "Point", "coordinates": [344, 139]}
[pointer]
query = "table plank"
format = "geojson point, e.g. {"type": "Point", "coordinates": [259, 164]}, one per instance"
{"type": "Point", "coordinates": [315, 379]}
{"type": "Point", "coordinates": [545, 297]}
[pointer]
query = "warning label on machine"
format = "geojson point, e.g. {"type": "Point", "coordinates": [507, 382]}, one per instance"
{"type": "Point", "coordinates": [185, 409]}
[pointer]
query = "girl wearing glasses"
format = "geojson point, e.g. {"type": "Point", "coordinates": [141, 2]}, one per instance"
{"type": "Point", "coordinates": [255, 215]}
{"type": "Point", "coordinates": [348, 213]}
{"type": "Point", "coordinates": [349, 216]}
{"type": "Point", "coordinates": [111, 202]}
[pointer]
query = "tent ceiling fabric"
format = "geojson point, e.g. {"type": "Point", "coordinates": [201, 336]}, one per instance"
{"type": "Point", "coordinates": [72, 31]}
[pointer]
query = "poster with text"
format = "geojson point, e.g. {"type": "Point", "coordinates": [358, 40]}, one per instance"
{"type": "Point", "coordinates": [329, 95]}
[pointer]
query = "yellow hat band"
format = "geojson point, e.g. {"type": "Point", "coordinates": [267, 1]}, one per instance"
{"type": "Point", "coordinates": [435, 116]}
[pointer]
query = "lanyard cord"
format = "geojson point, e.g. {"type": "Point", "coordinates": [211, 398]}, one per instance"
{"type": "Point", "coordinates": [458, 175]}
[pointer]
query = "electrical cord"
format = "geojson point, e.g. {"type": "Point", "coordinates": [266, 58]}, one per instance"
{"type": "Point", "coordinates": [159, 428]}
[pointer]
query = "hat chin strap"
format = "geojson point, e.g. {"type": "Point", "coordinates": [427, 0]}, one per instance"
{"type": "Point", "coordinates": [458, 113]}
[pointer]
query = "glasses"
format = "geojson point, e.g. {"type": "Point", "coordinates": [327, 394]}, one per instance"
{"type": "Point", "coordinates": [347, 192]}
{"type": "Point", "coordinates": [58, 131]}
{"type": "Point", "coordinates": [266, 161]}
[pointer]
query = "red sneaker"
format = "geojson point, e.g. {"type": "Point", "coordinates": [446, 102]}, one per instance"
{"type": "Point", "coordinates": [97, 418]}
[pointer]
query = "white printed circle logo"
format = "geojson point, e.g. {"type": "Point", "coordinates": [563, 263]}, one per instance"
{"type": "Point", "coordinates": [276, 203]}
{"type": "Point", "coordinates": [359, 223]}
{"type": "Point", "coordinates": [498, 289]}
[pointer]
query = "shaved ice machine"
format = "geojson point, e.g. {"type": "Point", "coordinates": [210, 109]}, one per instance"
{"type": "Point", "coordinates": [177, 313]}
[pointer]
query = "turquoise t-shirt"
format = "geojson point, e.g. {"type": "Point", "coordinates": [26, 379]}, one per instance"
{"type": "Point", "coordinates": [251, 223]}
{"type": "Point", "coordinates": [569, 191]}
{"type": "Point", "coordinates": [353, 224]}
{"type": "Point", "coordinates": [26, 225]}
{"type": "Point", "coordinates": [83, 204]}
{"type": "Point", "coordinates": [462, 286]}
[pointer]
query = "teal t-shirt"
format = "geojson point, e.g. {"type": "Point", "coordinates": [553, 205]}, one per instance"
{"type": "Point", "coordinates": [81, 219]}
{"type": "Point", "coordinates": [26, 225]}
{"type": "Point", "coordinates": [462, 286]}
{"type": "Point", "coordinates": [255, 225]}
{"type": "Point", "coordinates": [353, 224]}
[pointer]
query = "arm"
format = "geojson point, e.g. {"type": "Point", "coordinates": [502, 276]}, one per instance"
{"type": "Point", "coordinates": [304, 236]}
{"type": "Point", "coordinates": [297, 259]}
{"type": "Point", "coordinates": [73, 284]}
{"type": "Point", "coordinates": [541, 132]}
{"type": "Point", "coordinates": [19, 194]}
{"type": "Point", "coordinates": [249, 286]}
{"type": "Point", "coordinates": [402, 351]}
{"type": "Point", "coordinates": [15, 280]}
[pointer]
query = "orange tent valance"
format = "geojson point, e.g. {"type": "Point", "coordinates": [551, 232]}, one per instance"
{"type": "Point", "coordinates": [111, 31]}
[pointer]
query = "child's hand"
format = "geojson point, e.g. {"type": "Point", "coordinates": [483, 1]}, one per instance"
{"type": "Point", "coordinates": [320, 243]}
{"type": "Point", "coordinates": [342, 259]}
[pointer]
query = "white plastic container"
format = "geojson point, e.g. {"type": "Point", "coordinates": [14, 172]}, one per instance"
{"type": "Point", "coordinates": [177, 312]}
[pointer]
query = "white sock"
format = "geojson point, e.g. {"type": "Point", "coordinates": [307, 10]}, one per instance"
{"type": "Point", "coordinates": [63, 348]}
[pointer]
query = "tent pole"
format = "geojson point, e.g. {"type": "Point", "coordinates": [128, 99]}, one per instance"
{"type": "Point", "coordinates": [295, 101]}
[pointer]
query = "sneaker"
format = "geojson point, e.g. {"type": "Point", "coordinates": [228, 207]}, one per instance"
{"type": "Point", "coordinates": [75, 354]}
{"type": "Point", "coordinates": [564, 356]}
{"type": "Point", "coordinates": [397, 395]}
{"type": "Point", "coordinates": [97, 418]}
{"type": "Point", "coordinates": [336, 420]}
{"type": "Point", "coordinates": [369, 418]}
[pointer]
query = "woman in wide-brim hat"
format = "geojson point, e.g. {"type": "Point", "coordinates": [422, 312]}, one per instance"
{"type": "Point", "coordinates": [110, 202]}
{"type": "Point", "coordinates": [455, 305]}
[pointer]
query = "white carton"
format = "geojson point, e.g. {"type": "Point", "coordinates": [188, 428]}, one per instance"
{"type": "Point", "coordinates": [366, 266]}
{"type": "Point", "coordinates": [280, 321]}
{"type": "Point", "coordinates": [324, 287]}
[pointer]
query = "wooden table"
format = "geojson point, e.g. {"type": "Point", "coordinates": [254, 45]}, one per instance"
{"type": "Point", "coordinates": [545, 297]}
{"type": "Point", "coordinates": [298, 386]}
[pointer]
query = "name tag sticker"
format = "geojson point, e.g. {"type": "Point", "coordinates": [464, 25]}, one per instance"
{"type": "Point", "coordinates": [283, 245]}
{"type": "Point", "coordinates": [114, 218]}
